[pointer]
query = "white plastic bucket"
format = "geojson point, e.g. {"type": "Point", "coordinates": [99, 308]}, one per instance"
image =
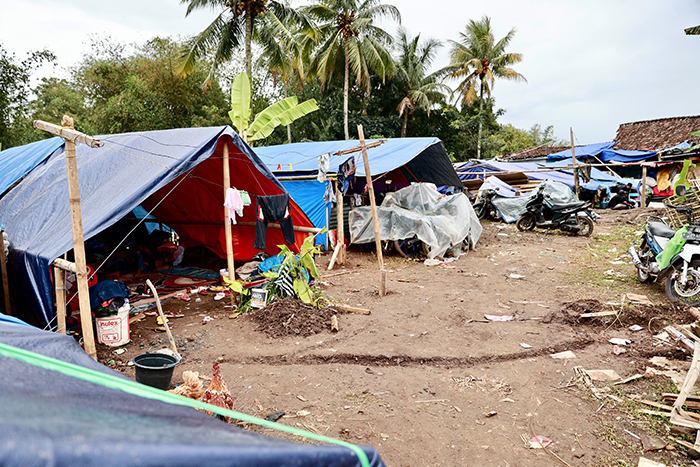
{"type": "Point", "coordinates": [114, 330]}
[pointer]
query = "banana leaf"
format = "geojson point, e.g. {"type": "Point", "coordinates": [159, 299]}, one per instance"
{"type": "Point", "coordinates": [240, 102]}
{"type": "Point", "coordinates": [299, 111]}
{"type": "Point", "coordinates": [282, 117]}
{"type": "Point", "coordinates": [267, 120]}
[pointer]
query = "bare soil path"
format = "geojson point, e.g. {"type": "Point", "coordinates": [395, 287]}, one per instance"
{"type": "Point", "coordinates": [427, 380]}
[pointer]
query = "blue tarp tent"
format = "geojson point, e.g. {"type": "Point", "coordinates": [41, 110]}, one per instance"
{"type": "Point", "coordinates": [49, 418]}
{"type": "Point", "coordinates": [170, 170]}
{"type": "Point", "coordinates": [17, 162]}
{"type": "Point", "coordinates": [582, 152]}
{"type": "Point", "coordinates": [413, 159]}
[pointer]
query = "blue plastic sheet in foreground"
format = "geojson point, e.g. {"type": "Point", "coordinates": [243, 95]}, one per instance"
{"type": "Point", "coordinates": [17, 162]}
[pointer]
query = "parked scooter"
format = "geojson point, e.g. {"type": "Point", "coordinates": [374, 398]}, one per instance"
{"type": "Point", "coordinates": [484, 207]}
{"type": "Point", "coordinates": [682, 275]}
{"type": "Point", "coordinates": [573, 217]}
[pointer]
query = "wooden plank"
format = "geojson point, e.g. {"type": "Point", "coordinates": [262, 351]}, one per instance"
{"type": "Point", "coordinates": [375, 219]}
{"type": "Point", "coordinates": [230, 264]}
{"type": "Point", "coordinates": [3, 271]}
{"type": "Point", "coordinates": [67, 132]}
{"type": "Point", "coordinates": [352, 309]}
{"type": "Point", "coordinates": [162, 316]}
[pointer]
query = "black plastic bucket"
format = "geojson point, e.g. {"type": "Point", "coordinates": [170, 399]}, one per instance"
{"type": "Point", "coordinates": [155, 369]}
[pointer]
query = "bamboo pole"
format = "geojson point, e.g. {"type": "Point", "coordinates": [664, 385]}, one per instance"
{"type": "Point", "coordinates": [375, 220]}
{"type": "Point", "coordinates": [71, 136]}
{"type": "Point", "coordinates": [162, 316]}
{"type": "Point", "coordinates": [227, 222]}
{"type": "Point", "coordinates": [644, 186]}
{"type": "Point", "coordinates": [328, 223]}
{"type": "Point", "coordinates": [340, 224]}
{"type": "Point", "coordinates": [59, 276]}
{"type": "Point", "coordinates": [573, 158]}
{"type": "Point", "coordinates": [3, 271]}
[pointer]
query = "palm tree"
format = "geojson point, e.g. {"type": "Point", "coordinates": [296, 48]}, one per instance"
{"type": "Point", "coordinates": [237, 20]}
{"type": "Point", "coordinates": [351, 42]}
{"type": "Point", "coordinates": [419, 91]}
{"type": "Point", "coordinates": [477, 59]}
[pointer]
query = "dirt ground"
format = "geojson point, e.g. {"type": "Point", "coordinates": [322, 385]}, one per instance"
{"type": "Point", "coordinates": [426, 379]}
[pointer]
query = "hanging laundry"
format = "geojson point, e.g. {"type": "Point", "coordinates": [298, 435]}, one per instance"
{"type": "Point", "coordinates": [329, 195]}
{"type": "Point", "coordinates": [346, 172]}
{"type": "Point", "coordinates": [273, 209]}
{"type": "Point", "coordinates": [245, 197]}
{"type": "Point", "coordinates": [324, 164]}
{"type": "Point", "coordinates": [233, 203]}
{"type": "Point", "coordinates": [358, 200]}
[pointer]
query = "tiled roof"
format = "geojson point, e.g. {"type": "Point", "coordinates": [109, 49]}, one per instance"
{"type": "Point", "coordinates": [652, 135]}
{"type": "Point", "coordinates": [532, 153]}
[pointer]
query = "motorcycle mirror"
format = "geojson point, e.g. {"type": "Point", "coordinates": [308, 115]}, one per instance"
{"type": "Point", "coordinates": [681, 190]}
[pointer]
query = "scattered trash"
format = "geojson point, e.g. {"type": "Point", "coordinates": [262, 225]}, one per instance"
{"type": "Point", "coordinates": [564, 355]}
{"type": "Point", "coordinates": [301, 398]}
{"type": "Point", "coordinates": [603, 375]}
{"type": "Point", "coordinates": [183, 296]}
{"type": "Point", "coordinates": [274, 416]}
{"type": "Point", "coordinates": [159, 320]}
{"type": "Point", "coordinates": [512, 275]}
{"type": "Point", "coordinates": [635, 328]}
{"type": "Point", "coordinates": [119, 351]}
{"type": "Point", "coordinates": [500, 318]}
{"type": "Point", "coordinates": [206, 319]}
{"type": "Point", "coordinates": [197, 300]}
{"type": "Point", "coordinates": [303, 413]}
{"type": "Point", "coordinates": [539, 442]}
{"type": "Point", "coordinates": [525, 346]}
{"type": "Point", "coordinates": [501, 234]}
{"type": "Point", "coordinates": [384, 436]}
{"type": "Point", "coordinates": [219, 296]}
{"type": "Point", "coordinates": [617, 350]}
{"type": "Point", "coordinates": [619, 341]}
{"type": "Point", "coordinates": [130, 363]}
{"type": "Point", "coordinates": [643, 462]}
{"type": "Point", "coordinates": [652, 443]}
{"type": "Point", "coordinates": [111, 363]}
{"type": "Point", "coordinates": [639, 299]}
{"type": "Point", "coordinates": [629, 380]}
{"type": "Point", "coordinates": [493, 413]}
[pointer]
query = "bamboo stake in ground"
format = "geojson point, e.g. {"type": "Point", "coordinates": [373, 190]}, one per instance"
{"type": "Point", "coordinates": [60, 280]}
{"type": "Point", "coordinates": [227, 222]}
{"type": "Point", "coordinates": [340, 224]}
{"type": "Point", "coordinates": [375, 220]}
{"type": "Point", "coordinates": [162, 316]}
{"type": "Point", "coordinates": [3, 271]}
{"type": "Point", "coordinates": [644, 186]}
{"type": "Point", "coordinates": [573, 157]}
{"type": "Point", "coordinates": [68, 133]}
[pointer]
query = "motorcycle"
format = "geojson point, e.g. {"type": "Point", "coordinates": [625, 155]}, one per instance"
{"type": "Point", "coordinates": [572, 217]}
{"type": "Point", "coordinates": [484, 207]}
{"type": "Point", "coordinates": [682, 275]}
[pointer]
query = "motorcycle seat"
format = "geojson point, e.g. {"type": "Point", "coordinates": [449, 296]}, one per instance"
{"type": "Point", "coordinates": [659, 229]}
{"type": "Point", "coordinates": [561, 207]}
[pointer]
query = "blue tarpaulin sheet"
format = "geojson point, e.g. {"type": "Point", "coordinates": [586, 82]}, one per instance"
{"type": "Point", "coordinates": [621, 155]}
{"type": "Point", "coordinates": [308, 194]}
{"type": "Point", "coordinates": [582, 152]}
{"type": "Point", "coordinates": [48, 418]}
{"type": "Point", "coordinates": [17, 162]}
{"type": "Point", "coordinates": [114, 179]}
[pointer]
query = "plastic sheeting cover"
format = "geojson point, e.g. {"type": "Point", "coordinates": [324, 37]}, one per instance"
{"type": "Point", "coordinates": [48, 418]}
{"type": "Point", "coordinates": [512, 208]}
{"type": "Point", "coordinates": [441, 222]}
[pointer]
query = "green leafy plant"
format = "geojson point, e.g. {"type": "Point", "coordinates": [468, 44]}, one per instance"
{"type": "Point", "coordinates": [281, 112]}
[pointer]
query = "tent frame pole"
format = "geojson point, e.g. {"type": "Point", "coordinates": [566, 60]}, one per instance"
{"type": "Point", "coordinates": [227, 220]}
{"type": "Point", "coordinates": [71, 136]}
{"type": "Point", "coordinates": [644, 186]}
{"type": "Point", "coordinates": [3, 271]}
{"type": "Point", "coordinates": [573, 157]}
{"type": "Point", "coordinates": [375, 219]}
{"type": "Point", "coordinates": [60, 280]}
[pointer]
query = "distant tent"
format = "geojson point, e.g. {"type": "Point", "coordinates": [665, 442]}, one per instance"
{"type": "Point", "coordinates": [403, 160]}
{"type": "Point", "coordinates": [48, 418]}
{"type": "Point", "coordinates": [177, 172]}
{"type": "Point", "coordinates": [604, 152]}
{"type": "Point", "coordinates": [18, 161]}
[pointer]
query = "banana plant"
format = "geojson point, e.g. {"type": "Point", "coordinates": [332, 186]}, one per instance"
{"type": "Point", "coordinates": [281, 112]}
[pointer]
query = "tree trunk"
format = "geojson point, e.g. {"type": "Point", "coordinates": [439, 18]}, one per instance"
{"type": "Point", "coordinates": [248, 38]}
{"type": "Point", "coordinates": [481, 108]}
{"type": "Point", "coordinates": [403, 124]}
{"type": "Point", "coordinates": [346, 88]}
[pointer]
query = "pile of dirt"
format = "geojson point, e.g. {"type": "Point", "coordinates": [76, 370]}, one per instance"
{"type": "Point", "coordinates": [292, 317]}
{"type": "Point", "coordinates": [653, 317]}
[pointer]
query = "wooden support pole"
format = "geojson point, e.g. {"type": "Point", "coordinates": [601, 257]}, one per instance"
{"type": "Point", "coordinates": [375, 220]}
{"type": "Point", "coordinates": [68, 133]}
{"type": "Point", "coordinates": [340, 224]}
{"type": "Point", "coordinates": [643, 194]}
{"type": "Point", "coordinates": [59, 277]}
{"type": "Point", "coordinates": [328, 223]}
{"type": "Point", "coordinates": [162, 316]}
{"type": "Point", "coordinates": [227, 221]}
{"type": "Point", "coordinates": [3, 271]}
{"type": "Point", "coordinates": [64, 265]}
{"type": "Point", "coordinates": [573, 157]}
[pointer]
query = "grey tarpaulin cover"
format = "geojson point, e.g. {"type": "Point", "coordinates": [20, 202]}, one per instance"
{"type": "Point", "coordinates": [417, 210]}
{"type": "Point", "coordinates": [512, 208]}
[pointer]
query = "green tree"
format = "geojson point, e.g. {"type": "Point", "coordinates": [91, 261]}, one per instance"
{"type": "Point", "coordinates": [477, 59]}
{"type": "Point", "coordinates": [15, 91]}
{"type": "Point", "coordinates": [238, 20]}
{"type": "Point", "coordinates": [419, 89]}
{"type": "Point", "coordinates": [350, 42]}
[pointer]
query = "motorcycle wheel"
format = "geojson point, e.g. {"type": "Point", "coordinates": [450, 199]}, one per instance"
{"type": "Point", "coordinates": [690, 294]}
{"type": "Point", "coordinates": [410, 248]}
{"type": "Point", "coordinates": [480, 211]}
{"type": "Point", "coordinates": [585, 225]}
{"type": "Point", "coordinates": [526, 222]}
{"type": "Point", "coordinates": [642, 276]}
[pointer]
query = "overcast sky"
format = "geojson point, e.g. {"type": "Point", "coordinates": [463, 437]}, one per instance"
{"type": "Point", "coordinates": [590, 64]}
